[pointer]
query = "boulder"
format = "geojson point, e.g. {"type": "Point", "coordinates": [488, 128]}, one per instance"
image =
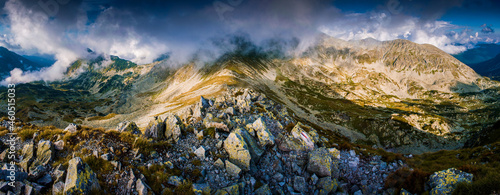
{"type": "Point", "coordinates": [200, 152]}
{"type": "Point", "coordinates": [173, 128]}
{"type": "Point", "coordinates": [445, 182]}
{"type": "Point", "coordinates": [44, 155]}
{"type": "Point", "coordinates": [204, 103]}
{"type": "Point", "coordinates": [320, 162]}
{"type": "Point", "coordinates": [265, 136]}
{"type": "Point", "coordinates": [141, 187]}
{"type": "Point", "coordinates": [44, 152]}
{"type": "Point", "coordinates": [299, 184]}
{"type": "Point", "coordinates": [175, 181]}
{"type": "Point", "coordinates": [334, 153]}
{"type": "Point", "coordinates": [232, 169]}
{"type": "Point", "coordinates": [5, 187]}
{"type": "Point", "coordinates": [59, 145]}
{"type": "Point", "coordinates": [107, 157]}
{"type": "Point", "coordinates": [263, 190]}
{"type": "Point", "coordinates": [45, 180]}
{"type": "Point", "coordinates": [217, 125]}
{"type": "Point", "coordinates": [299, 140]}
{"type": "Point", "coordinates": [28, 156]}
{"type": "Point", "coordinates": [219, 164]}
{"type": "Point", "coordinates": [326, 185]}
{"type": "Point", "coordinates": [255, 151]}
{"type": "Point", "coordinates": [197, 112]}
{"type": "Point", "coordinates": [80, 178]}
{"type": "Point", "coordinates": [238, 151]}
{"type": "Point", "coordinates": [229, 111]}
{"type": "Point", "coordinates": [72, 128]}
{"type": "Point", "coordinates": [59, 174]}
{"type": "Point", "coordinates": [234, 189]}
{"type": "Point", "coordinates": [128, 126]}
{"type": "Point", "coordinates": [58, 188]}
{"type": "Point", "coordinates": [203, 188]}
{"type": "Point", "coordinates": [155, 129]}
{"type": "Point", "coordinates": [20, 176]}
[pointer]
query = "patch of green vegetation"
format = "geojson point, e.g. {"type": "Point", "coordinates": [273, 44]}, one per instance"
{"type": "Point", "coordinates": [482, 162]}
{"type": "Point", "coordinates": [49, 133]}
{"type": "Point", "coordinates": [210, 132]}
{"type": "Point", "coordinates": [101, 168]}
{"type": "Point", "coordinates": [412, 180]}
{"type": "Point", "coordinates": [75, 66]}
{"type": "Point", "coordinates": [3, 132]}
{"type": "Point", "coordinates": [94, 118]}
{"type": "Point", "coordinates": [120, 64]}
{"type": "Point", "coordinates": [486, 180]}
{"type": "Point", "coordinates": [26, 133]}
{"type": "Point", "coordinates": [157, 175]}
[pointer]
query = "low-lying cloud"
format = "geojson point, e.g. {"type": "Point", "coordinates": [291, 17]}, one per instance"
{"type": "Point", "coordinates": [143, 31]}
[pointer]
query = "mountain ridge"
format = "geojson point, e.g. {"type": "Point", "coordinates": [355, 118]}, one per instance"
{"type": "Point", "coordinates": [361, 89]}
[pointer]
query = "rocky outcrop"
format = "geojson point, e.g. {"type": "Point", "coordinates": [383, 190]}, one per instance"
{"type": "Point", "coordinates": [445, 182]}
{"type": "Point", "coordinates": [299, 140]}
{"type": "Point", "coordinates": [128, 126]}
{"type": "Point", "coordinates": [173, 128]}
{"type": "Point", "coordinates": [155, 129]}
{"type": "Point", "coordinates": [28, 154]}
{"type": "Point", "coordinates": [238, 150]}
{"type": "Point", "coordinates": [44, 154]}
{"type": "Point", "coordinates": [266, 138]}
{"type": "Point", "coordinates": [320, 162]}
{"type": "Point", "coordinates": [80, 179]}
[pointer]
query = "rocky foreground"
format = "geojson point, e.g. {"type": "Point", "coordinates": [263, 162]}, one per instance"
{"type": "Point", "coordinates": [239, 143]}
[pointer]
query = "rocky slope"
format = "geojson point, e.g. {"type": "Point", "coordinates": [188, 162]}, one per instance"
{"type": "Point", "coordinates": [240, 143]}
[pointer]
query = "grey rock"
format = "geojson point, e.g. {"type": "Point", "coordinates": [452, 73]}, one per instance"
{"type": "Point", "coordinates": [106, 156]}
{"type": "Point", "coordinates": [263, 190]}
{"type": "Point", "coordinates": [173, 128]}
{"type": "Point", "coordinates": [299, 184]}
{"type": "Point", "coordinates": [141, 187]}
{"type": "Point", "coordinates": [327, 184]}
{"type": "Point", "coordinates": [45, 180]}
{"type": "Point", "coordinates": [314, 179]}
{"type": "Point", "coordinates": [80, 178]}
{"type": "Point", "coordinates": [200, 152]}
{"type": "Point", "coordinates": [232, 169]}
{"type": "Point", "coordinates": [320, 162]}
{"type": "Point", "coordinates": [58, 188]}
{"type": "Point", "coordinates": [445, 182]}
{"type": "Point", "coordinates": [203, 188]}
{"type": "Point", "coordinates": [155, 129]}
{"type": "Point", "coordinates": [72, 128]}
{"type": "Point", "coordinates": [59, 145]}
{"type": "Point", "coordinates": [174, 180]}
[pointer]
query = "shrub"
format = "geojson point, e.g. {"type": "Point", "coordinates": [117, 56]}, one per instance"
{"type": "Point", "coordinates": [411, 180]}
{"type": "Point", "coordinates": [26, 133]}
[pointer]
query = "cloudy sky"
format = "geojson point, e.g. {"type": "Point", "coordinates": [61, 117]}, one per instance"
{"type": "Point", "coordinates": [142, 31]}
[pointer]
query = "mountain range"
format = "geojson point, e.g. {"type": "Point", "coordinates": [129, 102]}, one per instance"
{"type": "Point", "coordinates": [489, 68]}
{"type": "Point", "coordinates": [10, 60]}
{"type": "Point", "coordinates": [357, 117]}
{"type": "Point", "coordinates": [366, 90]}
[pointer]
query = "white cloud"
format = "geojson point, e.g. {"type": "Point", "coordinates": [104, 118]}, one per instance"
{"type": "Point", "coordinates": [382, 26]}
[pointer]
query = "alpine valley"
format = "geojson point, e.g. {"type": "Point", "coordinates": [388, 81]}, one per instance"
{"type": "Point", "coordinates": [352, 117]}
